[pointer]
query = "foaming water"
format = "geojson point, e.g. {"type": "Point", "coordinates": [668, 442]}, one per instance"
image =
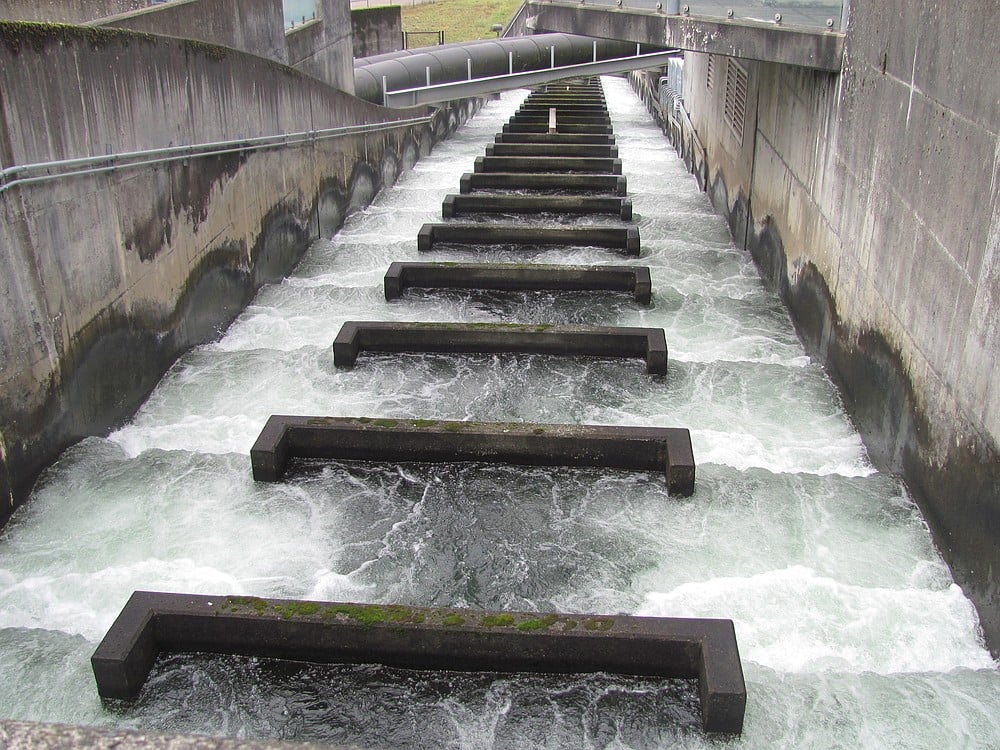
{"type": "Point", "coordinates": [852, 631]}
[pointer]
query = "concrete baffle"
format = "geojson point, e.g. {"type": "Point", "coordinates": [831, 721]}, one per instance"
{"type": "Point", "coordinates": [624, 238]}
{"type": "Point", "coordinates": [426, 638]}
{"type": "Point", "coordinates": [666, 449]}
{"type": "Point", "coordinates": [467, 338]}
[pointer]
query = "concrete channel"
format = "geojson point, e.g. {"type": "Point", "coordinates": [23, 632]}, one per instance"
{"type": "Point", "coordinates": [458, 639]}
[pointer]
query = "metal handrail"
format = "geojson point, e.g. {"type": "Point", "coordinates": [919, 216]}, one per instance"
{"type": "Point", "coordinates": [23, 174]}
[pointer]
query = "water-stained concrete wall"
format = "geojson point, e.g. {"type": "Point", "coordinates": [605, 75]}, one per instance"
{"type": "Point", "coordinates": [377, 30]}
{"type": "Point", "coordinates": [66, 11]}
{"type": "Point", "coordinates": [255, 26]}
{"type": "Point", "coordinates": [108, 277]}
{"type": "Point", "coordinates": [323, 48]}
{"type": "Point", "coordinates": [871, 199]}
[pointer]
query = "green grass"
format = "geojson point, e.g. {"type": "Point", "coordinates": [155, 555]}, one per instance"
{"type": "Point", "coordinates": [461, 20]}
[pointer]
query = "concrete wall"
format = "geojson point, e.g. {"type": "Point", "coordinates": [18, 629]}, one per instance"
{"type": "Point", "coordinates": [109, 277]}
{"type": "Point", "coordinates": [255, 26]}
{"type": "Point", "coordinates": [321, 48]}
{"type": "Point", "coordinates": [66, 11]}
{"type": "Point", "coordinates": [871, 199]}
{"type": "Point", "coordinates": [324, 48]}
{"type": "Point", "coordinates": [377, 30]}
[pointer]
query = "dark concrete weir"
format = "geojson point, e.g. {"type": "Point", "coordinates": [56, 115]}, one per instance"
{"type": "Point", "coordinates": [666, 449]}
{"type": "Point", "coordinates": [564, 340]}
{"type": "Point", "coordinates": [510, 277]}
{"type": "Point", "coordinates": [425, 638]}
{"type": "Point", "coordinates": [552, 164]}
{"type": "Point", "coordinates": [543, 127]}
{"type": "Point", "coordinates": [578, 183]}
{"type": "Point", "coordinates": [600, 151]}
{"type": "Point", "coordinates": [615, 238]}
{"type": "Point", "coordinates": [456, 205]}
{"type": "Point", "coordinates": [581, 108]}
{"type": "Point", "coordinates": [555, 138]}
{"type": "Point", "coordinates": [569, 119]}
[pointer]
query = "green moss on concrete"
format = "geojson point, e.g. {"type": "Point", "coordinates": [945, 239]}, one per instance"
{"type": "Point", "coordinates": [502, 620]}
{"type": "Point", "coordinates": [452, 620]}
{"type": "Point", "coordinates": [375, 614]}
{"type": "Point", "coordinates": [487, 326]}
{"type": "Point", "coordinates": [599, 624]}
{"type": "Point", "coordinates": [212, 51]}
{"type": "Point", "coordinates": [297, 609]}
{"type": "Point", "coordinates": [542, 623]}
{"type": "Point", "coordinates": [385, 422]}
{"type": "Point", "coordinates": [237, 603]}
{"type": "Point", "coordinates": [18, 35]}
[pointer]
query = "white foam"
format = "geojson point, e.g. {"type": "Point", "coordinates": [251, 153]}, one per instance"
{"type": "Point", "coordinates": [823, 455]}
{"type": "Point", "coordinates": [792, 620]}
{"type": "Point", "coordinates": [87, 603]}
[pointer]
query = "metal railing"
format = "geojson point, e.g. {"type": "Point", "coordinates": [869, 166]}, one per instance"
{"type": "Point", "coordinates": [438, 37]}
{"type": "Point", "coordinates": [27, 174]}
{"type": "Point", "coordinates": [811, 14]}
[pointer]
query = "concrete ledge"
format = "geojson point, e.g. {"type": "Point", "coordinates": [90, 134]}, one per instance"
{"type": "Point", "coordinates": [587, 183]}
{"type": "Point", "coordinates": [425, 638]}
{"type": "Point", "coordinates": [569, 119]}
{"type": "Point", "coordinates": [580, 107]}
{"type": "Point", "coordinates": [594, 341]}
{"type": "Point", "coordinates": [550, 164]}
{"type": "Point", "coordinates": [515, 277]}
{"type": "Point", "coordinates": [457, 205]}
{"type": "Point", "coordinates": [666, 449]}
{"type": "Point", "coordinates": [601, 151]}
{"type": "Point", "coordinates": [555, 138]}
{"type": "Point", "coordinates": [620, 238]}
{"type": "Point", "coordinates": [543, 127]}
{"type": "Point", "coordinates": [584, 93]}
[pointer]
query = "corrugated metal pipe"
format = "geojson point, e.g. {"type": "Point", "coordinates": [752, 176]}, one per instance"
{"type": "Point", "coordinates": [490, 57]}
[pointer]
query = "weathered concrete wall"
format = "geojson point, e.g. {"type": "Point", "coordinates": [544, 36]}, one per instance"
{"type": "Point", "coordinates": [872, 200]}
{"type": "Point", "coordinates": [377, 30]}
{"type": "Point", "coordinates": [254, 26]}
{"type": "Point", "coordinates": [66, 11]}
{"type": "Point", "coordinates": [108, 277]}
{"type": "Point", "coordinates": [323, 48]}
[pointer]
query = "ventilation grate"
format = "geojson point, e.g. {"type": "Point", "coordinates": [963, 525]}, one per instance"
{"type": "Point", "coordinates": [736, 97]}
{"type": "Point", "coordinates": [711, 69]}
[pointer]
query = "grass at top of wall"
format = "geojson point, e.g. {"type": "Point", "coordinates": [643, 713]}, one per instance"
{"type": "Point", "coordinates": [461, 20]}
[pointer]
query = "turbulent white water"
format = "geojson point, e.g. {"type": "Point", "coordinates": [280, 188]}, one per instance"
{"type": "Point", "coordinates": [851, 629]}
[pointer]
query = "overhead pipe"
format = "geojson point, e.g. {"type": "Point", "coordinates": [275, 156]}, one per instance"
{"type": "Point", "coordinates": [490, 57]}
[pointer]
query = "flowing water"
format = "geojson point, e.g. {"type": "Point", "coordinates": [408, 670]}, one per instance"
{"type": "Point", "coordinates": [851, 629]}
